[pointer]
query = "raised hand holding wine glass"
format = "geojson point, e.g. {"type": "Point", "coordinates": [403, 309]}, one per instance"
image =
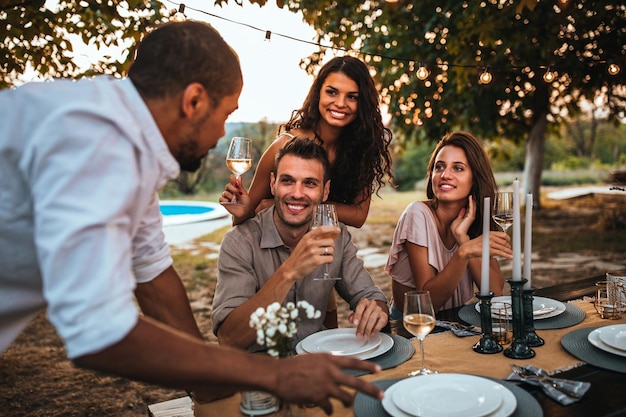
{"type": "Point", "coordinates": [325, 215]}
{"type": "Point", "coordinates": [238, 160]}
{"type": "Point", "coordinates": [503, 209]}
{"type": "Point", "coordinates": [419, 320]}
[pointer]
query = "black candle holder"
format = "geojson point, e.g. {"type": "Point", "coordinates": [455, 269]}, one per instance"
{"type": "Point", "coordinates": [487, 342]}
{"type": "Point", "coordinates": [519, 348]}
{"type": "Point", "coordinates": [532, 339]}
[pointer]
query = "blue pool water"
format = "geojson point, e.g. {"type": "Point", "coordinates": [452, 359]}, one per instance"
{"type": "Point", "coordinates": [172, 210]}
{"type": "Point", "coordinates": [177, 212]}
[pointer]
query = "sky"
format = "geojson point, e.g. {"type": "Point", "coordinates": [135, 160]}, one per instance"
{"type": "Point", "coordinates": [274, 83]}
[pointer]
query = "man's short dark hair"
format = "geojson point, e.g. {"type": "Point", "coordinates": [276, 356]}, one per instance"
{"type": "Point", "coordinates": [177, 54]}
{"type": "Point", "coordinates": [305, 148]}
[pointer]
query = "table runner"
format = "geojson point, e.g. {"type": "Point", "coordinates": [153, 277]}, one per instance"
{"type": "Point", "coordinates": [448, 353]}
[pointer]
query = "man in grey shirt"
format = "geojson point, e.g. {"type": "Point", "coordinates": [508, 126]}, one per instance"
{"type": "Point", "coordinates": [273, 257]}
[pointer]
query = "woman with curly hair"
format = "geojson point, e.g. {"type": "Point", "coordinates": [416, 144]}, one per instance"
{"type": "Point", "coordinates": [341, 112]}
{"type": "Point", "coordinates": [437, 244]}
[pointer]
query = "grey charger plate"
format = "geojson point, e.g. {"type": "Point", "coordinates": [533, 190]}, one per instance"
{"type": "Point", "coordinates": [366, 406]}
{"type": "Point", "coordinates": [576, 343]}
{"type": "Point", "coordinates": [570, 317]}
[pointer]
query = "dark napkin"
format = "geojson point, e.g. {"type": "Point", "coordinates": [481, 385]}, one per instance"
{"type": "Point", "coordinates": [459, 329]}
{"type": "Point", "coordinates": [555, 388]}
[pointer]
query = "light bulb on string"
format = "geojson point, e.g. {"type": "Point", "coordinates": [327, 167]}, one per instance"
{"type": "Point", "coordinates": [422, 72]}
{"type": "Point", "coordinates": [485, 77]}
{"type": "Point", "coordinates": [179, 15]}
{"type": "Point", "coordinates": [613, 68]}
{"type": "Point", "coordinates": [268, 35]}
{"type": "Point", "coordinates": [549, 76]}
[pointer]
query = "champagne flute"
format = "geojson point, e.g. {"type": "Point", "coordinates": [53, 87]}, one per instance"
{"type": "Point", "coordinates": [419, 320]}
{"type": "Point", "coordinates": [325, 215]}
{"type": "Point", "coordinates": [238, 160]}
{"type": "Point", "coordinates": [503, 210]}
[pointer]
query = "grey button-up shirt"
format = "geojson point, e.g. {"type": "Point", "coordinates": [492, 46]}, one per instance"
{"type": "Point", "coordinates": [252, 251]}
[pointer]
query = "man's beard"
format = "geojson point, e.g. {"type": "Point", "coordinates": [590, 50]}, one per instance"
{"type": "Point", "coordinates": [187, 152]}
{"type": "Point", "coordinates": [189, 164]}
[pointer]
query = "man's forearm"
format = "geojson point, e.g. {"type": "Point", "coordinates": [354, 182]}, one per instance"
{"type": "Point", "coordinates": [165, 299]}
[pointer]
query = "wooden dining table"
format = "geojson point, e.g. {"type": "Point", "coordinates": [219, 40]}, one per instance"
{"type": "Point", "coordinates": [447, 353]}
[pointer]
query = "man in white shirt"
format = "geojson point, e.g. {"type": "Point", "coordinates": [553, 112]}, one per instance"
{"type": "Point", "coordinates": [80, 227]}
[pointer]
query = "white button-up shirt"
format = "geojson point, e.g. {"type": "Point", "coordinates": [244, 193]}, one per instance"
{"type": "Point", "coordinates": [80, 166]}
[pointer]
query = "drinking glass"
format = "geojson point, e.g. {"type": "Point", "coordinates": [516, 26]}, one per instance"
{"type": "Point", "coordinates": [325, 215]}
{"type": "Point", "coordinates": [503, 209]}
{"type": "Point", "coordinates": [501, 316]}
{"type": "Point", "coordinates": [419, 320]}
{"type": "Point", "coordinates": [607, 302]}
{"type": "Point", "coordinates": [238, 160]}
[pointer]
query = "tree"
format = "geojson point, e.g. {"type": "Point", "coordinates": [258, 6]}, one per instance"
{"type": "Point", "coordinates": [41, 36]}
{"type": "Point", "coordinates": [516, 41]}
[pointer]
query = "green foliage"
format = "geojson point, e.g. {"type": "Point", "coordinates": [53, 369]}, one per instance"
{"type": "Point", "coordinates": [41, 36]}
{"type": "Point", "coordinates": [410, 165]}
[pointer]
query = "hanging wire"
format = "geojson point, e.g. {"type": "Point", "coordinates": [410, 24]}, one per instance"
{"type": "Point", "coordinates": [422, 72]}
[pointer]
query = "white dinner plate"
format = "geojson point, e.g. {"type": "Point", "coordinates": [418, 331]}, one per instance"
{"type": "Point", "coordinates": [340, 342]}
{"type": "Point", "coordinates": [385, 345]}
{"type": "Point", "coordinates": [507, 406]}
{"type": "Point", "coordinates": [543, 308]}
{"type": "Point", "coordinates": [614, 336]}
{"type": "Point", "coordinates": [594, 339]}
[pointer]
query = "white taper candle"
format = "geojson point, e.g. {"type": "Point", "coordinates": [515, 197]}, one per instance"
{"type": "Point", "coordinates": [528, 237]}
{"type": "Point", "coordinates": [517, 243]}
{"type": "Point", "coordinates": [484, 272]}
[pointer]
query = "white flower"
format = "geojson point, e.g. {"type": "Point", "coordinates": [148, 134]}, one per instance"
{"type": "Point", "coordinates": [276, 325]}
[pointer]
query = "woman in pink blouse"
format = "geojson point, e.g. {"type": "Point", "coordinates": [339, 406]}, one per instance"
{"type": "Point", "coordinates": [437, 244]}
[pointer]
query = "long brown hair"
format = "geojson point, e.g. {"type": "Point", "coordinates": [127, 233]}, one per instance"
{"type": "Point", "coordinates": [483, 184]}
{"type": "Point", "coordinates": [363, 147]}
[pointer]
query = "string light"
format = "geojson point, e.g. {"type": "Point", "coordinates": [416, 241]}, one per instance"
{"type": "Point", "coordinates": [179, 15]}
{"type": "Point", "coordinates": [422, 72]}
{"type": "Point", "coordinates": [485, 77]}
{"type": "Point", "coordinates": [549, 76]}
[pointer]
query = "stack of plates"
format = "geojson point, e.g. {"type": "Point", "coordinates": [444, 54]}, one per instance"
{"type": "Point", "coordinates": [343, 342]}
{"type": "Point", "coordinates": [610, 339]}
{"type": "Point", "coordinates": [449, 395]}
{"type": "Point", "coordinates": [543, 308]}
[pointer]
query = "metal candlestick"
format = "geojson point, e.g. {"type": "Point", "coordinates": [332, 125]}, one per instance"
{"type": "Point", "coordinates": [487, 342]}
{"type": "Point", "coordinates": [519, 348]}
{"type": "Point", "coordinates": [532, 339]}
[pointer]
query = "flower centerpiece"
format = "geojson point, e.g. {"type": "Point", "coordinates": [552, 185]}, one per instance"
{"type": "Point", "coordinates": [277, 325]}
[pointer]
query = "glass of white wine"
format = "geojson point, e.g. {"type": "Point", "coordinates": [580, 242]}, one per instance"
{"type": "Point", "coordinates": [238, 159]}
{"type": "Point", "coordinates": [419, 320]}
{"type": "Point", "coordinates": [503, 209]}
{"type": "Point", "coordinates": [325, 215]}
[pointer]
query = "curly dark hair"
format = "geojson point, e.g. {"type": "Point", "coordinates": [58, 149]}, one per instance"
{"type": "Point", "coordinates": [177, 54]}
{"type": "Point", "coordinates": [363, 147]}
{"type": "Point", "coordinates": [484, 182]}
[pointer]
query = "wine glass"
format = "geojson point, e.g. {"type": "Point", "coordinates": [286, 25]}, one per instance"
{"type": "Point", "coordinates": [503, 209]}
{"type": "Point", "coordinates": [419, 320]}
{"type": "Point", "coordinates": [238, 160]}
{"type": "Point", "coordinates": [325, 215]}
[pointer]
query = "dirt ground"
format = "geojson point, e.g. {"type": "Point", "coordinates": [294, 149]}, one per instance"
{"type": "Point", "coordinates": [36, 379]}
